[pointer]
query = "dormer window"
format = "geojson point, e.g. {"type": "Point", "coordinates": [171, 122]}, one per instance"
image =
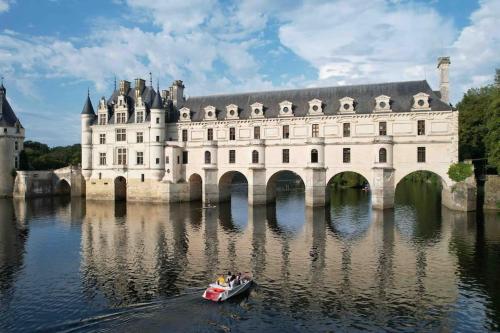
{"type": "Point", "coordinates": [103, 118]}
{"type": "Point", "coordinates": [315, 107]}
{"type": "Point", "coordinates": [121, 117]}
{"type": "Point", "coordinates": [139, 116]}
{"type": "Point", "coordinates": [210, 113]}
{"type": "Point", "coordinates": [185, 114]}
{"type": "Point", "coordinates": [382, 104]}
{"type": "Point", "coordinates": [421, 102]}
{"type": "Point", "coordinates": [257, 110]}
{"type": "Point", "coordinates": [232, 111]}
{"type": "Point", "coordinates": [286, 109]}
{"type": "Point", "coordinates": [346, 105]}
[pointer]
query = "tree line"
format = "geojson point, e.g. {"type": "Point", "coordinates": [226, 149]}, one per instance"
{"type": "Point", "coordinates": [39, 156]}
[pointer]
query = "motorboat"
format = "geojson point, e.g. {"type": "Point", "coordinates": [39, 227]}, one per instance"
{"type": "Point", "coordinates": [219, 292]}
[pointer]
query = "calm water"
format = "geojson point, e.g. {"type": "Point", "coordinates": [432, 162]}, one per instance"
{"type": "Point", "coordinates": [71, 266]}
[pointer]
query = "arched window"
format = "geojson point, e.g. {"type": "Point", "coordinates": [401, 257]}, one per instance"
{"type": "Point", "coordinates": [208, 157]}
{"type": "Point", "coordinates": [255, 156]}
{"type": "Point", "coordinates": [314, 156]}
{"type": "Point", "coordinates": [382, 155]}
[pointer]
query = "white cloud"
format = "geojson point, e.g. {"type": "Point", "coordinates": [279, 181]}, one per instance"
{"type": "Point", "coordinates": [4, 6]}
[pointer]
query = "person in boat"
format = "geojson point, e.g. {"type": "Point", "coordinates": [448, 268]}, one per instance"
{"type": "Point", "coordinates": [228, 277]}
{"type": "Point", "coordinates": [221, 281]}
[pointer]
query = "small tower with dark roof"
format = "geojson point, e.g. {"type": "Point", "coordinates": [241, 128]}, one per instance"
{"type": "Point", "coordinates": [87, 118]}
{"type": "Point", "coordinates": [157, 160]}
{"type": "Point", "coordinates": [11, 144]}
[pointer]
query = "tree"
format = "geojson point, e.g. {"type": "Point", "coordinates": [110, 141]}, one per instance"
{"type": "Point", "coordinates": [38, 156]}
{"type": "Point", "coordinates": [492, 137]}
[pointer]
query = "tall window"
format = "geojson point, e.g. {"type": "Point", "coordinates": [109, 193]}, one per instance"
{"type": "Point", "coordinates": [232, 133]}
{"type": "Point", "coordinates": [256, 132]}
{"type": "Point", "coordinates": [102, 138]}
{"type": "Point", "coordinates": [103, 117]}
{"type": "Point", "coordinates": [210, 134]}
{"type": "Point", "coordinates": [16, 145]}
{"type": "Point", "coordinates": [382, 155]}
{"type": "Point", "coordinates": [421, 154]}
{"type": "Point", "coordinates": [232, 156]}
{"type": "Point", "coordinates": [346, 155]}
{"type": "Point", "coordinates": [184, 135]}
{"type": "Point", "coordinates": [184, 157]}
{"type": "Point", "coordinates": [167, 160]}
{"type": "Point", "coordinates": [315, 130]}
{"type": "Point", "coordinates": [157, 120]}
{"type": "Point", "coordinates": [382, 128]}
{"type": "Point", "coordinates": [121, 156]}
{"type": "Point", "coordinates": [285, 155]}
{"type": "Point", "coordinates": [140, 137]}
{"type": "Point", "coordinates": [16, 162]}
{"type": "Point", "coordinates": [208, 157]}
{"type": "Point", "coordinates": [121, 117]}
{"type": "Point", "coordinates": [421, 127]}
{"type": "Point", "coordinates": [347, 129]}
{"type": "Point", "coordinates": [139, 117]}
{"type": "Point", "coordinates": [102, 158]}
{"type": "Point", "coordinates": [314, 156]}
{"type": "Point", "coordinates": [286, 131]}
{"type": "Point", "coordinates": [140, 158]}
{"type": "Point", "coordinates": [157, 138]}
{"type": "Point", "coordinates": [255, 156]}
{"type": "Point", "coordinates": [121, 134]}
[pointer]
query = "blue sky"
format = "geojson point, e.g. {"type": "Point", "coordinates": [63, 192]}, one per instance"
{"type": "Point", "coordinates": [51, 51]}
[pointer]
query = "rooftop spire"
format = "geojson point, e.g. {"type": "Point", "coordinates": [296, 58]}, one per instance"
{"type": "Point", "coordinates": [150, 79]}
{"type": "Point", "coordinates": [157, 102]}
{"type": "Point", "coordinates": [88, 108]}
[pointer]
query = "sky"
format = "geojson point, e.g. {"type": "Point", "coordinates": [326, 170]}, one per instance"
{"type": "Point", "coordinates": [52, 51]}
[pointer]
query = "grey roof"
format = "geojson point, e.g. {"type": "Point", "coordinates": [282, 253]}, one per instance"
{"type": "Point", "coordinates": [88, 108]}
{"type": "Point", "coordinates": [401, 94]}
{"type": "Point", "coordinates": [157, 102]}
{"type": "Point", "coordinates": [7, 115]}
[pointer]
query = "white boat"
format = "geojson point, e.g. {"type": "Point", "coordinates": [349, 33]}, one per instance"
{"type": "Point", "coordinates": [219, 293]}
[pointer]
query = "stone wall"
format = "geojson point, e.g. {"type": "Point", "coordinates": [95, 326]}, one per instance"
{"type": "Point", "coordinates": [30, 184]}
{"type": "Point", "coordinates": [492, 193]}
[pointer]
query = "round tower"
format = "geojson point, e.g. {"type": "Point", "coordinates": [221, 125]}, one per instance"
{"type": "Point", "coordinates": [87, 118]}
{"type": "Point", "coordinates": [157, 138]}
{"type": "Point", "coordinates": [11, 144]}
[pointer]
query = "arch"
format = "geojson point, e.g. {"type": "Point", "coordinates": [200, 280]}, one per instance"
{"type": "Point", "coordinates": [314, 156]}
{"type": "Point", "coordinates": [120, 188]}
{"type": "Point", "coordinates": [63, 187]}
{"type": "Point", "coordinates": [349, 178]}
{"type": "Point", "coordinates": [226, 182]}
{"type": "Point", "coordinates": [382, 155]}
{"type": "Point", "coordinates": [400, 175]}
{"type": "Point", "coordinates": [255, 157]}
{"type": "Point", "coordinates": [354, 186]}
{"type": "Point", "coordinates": [208, 157]}
{"type": "Point", "coordinates": [195, 187]}
{"type": "Point", "coordinates": [283, 181]}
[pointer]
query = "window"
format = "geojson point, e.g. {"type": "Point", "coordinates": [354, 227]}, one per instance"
{"type": "Point", "coordinates": [16, 162]}
{"type": "Point", "coordinates": [210, 134]}
{"type": "Point", "coordinates": [315, 130]}
{"type": "Point", "coordinates": [184, 157]}
{"type": "Point", "coordinates": [139, 117]}
{"type": "Point", "coordinates": [178, 159]}
{"type": "Point", "coordinates": [157, 160]}
{"type": "Point", "coordinates": [347, 129]}
{"type": "Point", "coordinates": [102, 158]}
{"type": "Point", "coordinates": [140, 137]}
{"type": "Point", "coordinates": [184, 135]}
{"type": "Point", "coordinates": [122, 156]}
{"type": "Point", "coordinates": [140, 158]}
{"type": "Point", "coordinates": [421, 127]}
{"type": "Point", "coordinates": [100, 175]}
{"type": "Point", "coordinates": [382, 155]}
{"type": "Point", "coordinates": [421, 154]}
{"type": "Point", "coordinates": [314, 156]}
{"type": "Point", "coordinates": [16, 145]}
{"type": "Point", "coordinates": [121, 135]}
{"type": "Point", "coordinates": [167, 160]}
{"type": "Point", "coordinates": [157, 138]}
{"type": "Point", "coordinates": [102, 118]}
{"type": "Point", "coordinates": [382, 128]}
{"type": "Point", "coordinates": [157, 120]}
{"type": "Point", "coordinates": [232, 156]}
{"type": "Point", "coordinates": [121, 118]}
{"type": "Point", "coordinates": [142, 177]}
{"type": "Point", "coordinates": [285, 155]}
{"type": "Point", "coordinates": [208, 157]}
{"type": "Point", "coordinates": [346, 155]}
{"type": "Point", "coordinates": [255, 156]}
{"type": "Point", "coordinates": [102, 139]}
{"type": "Point", "coordinates": [286, 131]}
{"type": "Point", "coordinates": [256, 132]}
{"type": "Point", "coordinates": [232, 133]}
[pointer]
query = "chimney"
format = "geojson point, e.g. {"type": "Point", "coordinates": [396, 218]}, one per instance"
{"type": "Point", "coordinates": [140, 84]}
{"type": "Point", "coordinates": [124, 87]}
{"type": "Point", "coordinates": [444, 82]}
{"type": "Point", "coordinates": [177, 92]}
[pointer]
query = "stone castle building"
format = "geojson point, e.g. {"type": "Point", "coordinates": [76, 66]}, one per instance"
{"type": "Point", "coordinates": [11, 144]}
{"type": "Point", "coordinates": [144, 144]}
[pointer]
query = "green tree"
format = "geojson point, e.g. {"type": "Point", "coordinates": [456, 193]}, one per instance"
{"type": "Point", "coordinates": [492, 137]}
{"type": "Point", "coordinates": [38, 156]}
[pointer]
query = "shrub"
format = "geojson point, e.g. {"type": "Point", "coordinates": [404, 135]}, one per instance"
{"type": "Point", "coordinates": [459, 172]}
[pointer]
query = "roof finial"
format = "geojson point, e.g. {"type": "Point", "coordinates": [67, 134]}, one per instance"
{"type": "Point", "coordinates": [88, 92]}
{"type": "Point", "coordinates": [150, 79]}
{"type": "Point", "coordinates": [115, 83]}
{"type": "Point", "coordinates": [158, 85]}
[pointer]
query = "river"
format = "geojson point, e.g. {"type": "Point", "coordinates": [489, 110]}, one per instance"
{"type": "Point", "coordinates": [100, 266]}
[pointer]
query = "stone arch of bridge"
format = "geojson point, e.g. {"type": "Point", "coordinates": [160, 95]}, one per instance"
{"type": "Point", "coordinates": [226, 181]}
{"type": "Point", "coordinates": [120, 184]}
{"type": "Point", "coordinates": [271, 182]}
{"type": "Point", "coordinates": [63, 187]}
{"type": "Point", "coordinates": [443, 177]}
{"type": "Point", "coordinates": [195, 182]}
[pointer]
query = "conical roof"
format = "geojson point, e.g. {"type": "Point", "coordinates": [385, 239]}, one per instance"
{"type": "Point", "coordinates": [7, 115]}
{"type": "Point", "coordinates": [157, 102]}
{"type": "Point", "coordinates": [88, 108]}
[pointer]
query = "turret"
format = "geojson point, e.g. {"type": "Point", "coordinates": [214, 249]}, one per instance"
{"type": "Point", "coordinates": [157, 160]}
{"type": "Point", "coordinates": [177, 92]}
{"type": "Point", "coordinates": [444, 81]}
{"type": "Point", "coordinates": [87, 118]}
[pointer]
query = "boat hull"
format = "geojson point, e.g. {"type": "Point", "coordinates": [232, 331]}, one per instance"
{"type": "Point", "coordinates": [217, 293]}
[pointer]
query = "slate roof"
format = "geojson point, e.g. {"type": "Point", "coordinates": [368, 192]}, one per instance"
{"type": "Point", "coordinates": [88, 108]}
{"type": "Point", "coordinates": [7, 115]}
{"type": "Point", "coordinates": [401, 94]}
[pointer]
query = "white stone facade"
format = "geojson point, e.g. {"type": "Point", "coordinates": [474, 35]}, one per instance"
{"type": "Point", "coordinates": [191, 148]}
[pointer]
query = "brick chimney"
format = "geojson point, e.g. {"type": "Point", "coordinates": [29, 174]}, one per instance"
{"type": "Point", "coordinates": [444, 81]}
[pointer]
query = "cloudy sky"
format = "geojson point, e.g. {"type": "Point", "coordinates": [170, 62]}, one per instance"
{"type": "Point", "coordinates": [52, 50]}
